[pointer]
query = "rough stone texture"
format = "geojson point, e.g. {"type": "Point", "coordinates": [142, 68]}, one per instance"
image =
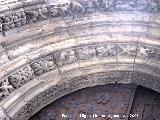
{"type": "Point", "coordinates": [77, 38]}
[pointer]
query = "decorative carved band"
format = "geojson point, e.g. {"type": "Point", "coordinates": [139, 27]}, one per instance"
{"type": "Point", "coordinates": [75, 7]}
{"type": "Point", "coordinates": [72, 55]}
{"type": "Point", "coordinates": [73, 84]}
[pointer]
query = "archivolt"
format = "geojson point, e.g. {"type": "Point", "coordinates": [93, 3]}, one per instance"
{"type": "Point", "coordinates": [28, 101]}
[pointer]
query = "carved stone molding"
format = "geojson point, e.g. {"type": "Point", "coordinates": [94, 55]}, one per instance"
{"type": "Point", "coordinates": [71, 8]}
{"type": "Point", "coordinates": [72, 84]}
{"type": "Point", "coordinates": [75, 55]}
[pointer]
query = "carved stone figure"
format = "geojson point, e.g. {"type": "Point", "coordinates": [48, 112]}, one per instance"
{"type": "Point", "coordinates": [106, 50]}
{"type": "Point", "coordinates": [21, 76]}
{"type": "Point", "coordinates": [7, 21]}
{"type": "Point", "coordinates": [3, 115]}
{"type": "Point", "coordinates": [86, 53]}
{"type": "Point", "coordinates": [66, 57]}
{"type": "Point", "coordinates": [53, 12]}
{"type": "Point", "coordinates": [5, 88]}
{"type": "Point", "coordinates": [43, 65]}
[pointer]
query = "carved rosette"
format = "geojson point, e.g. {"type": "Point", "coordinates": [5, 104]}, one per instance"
{"type": "Point", "coordinates": [147, 52]}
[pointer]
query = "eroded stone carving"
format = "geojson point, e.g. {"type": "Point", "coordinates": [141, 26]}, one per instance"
{"type": "Point", "coordinates": [106, 50]}
{"type": "Point", "coordinates": [86, 53]}
{"type": "Point", "coordinates": [104, 4]}
{"type": "Point", "coordinates": [3, 115]}
{"type": "Point", "coordinates": [65, 57]}
{"type": "Point", "coordinates": [145, 52]}
{"type": "Point", "coordinates": [76, 7]}
{"type": "Point", "coordinates": [21, 76]}
{"type": "Point", "coordinates": [5, 88]}
{"type": "Point", "coordinates": [43, 65]}
{"type": "Point", "coordinates": [11, 21]}
{"type": "Point", "coordinates": [36, 15]}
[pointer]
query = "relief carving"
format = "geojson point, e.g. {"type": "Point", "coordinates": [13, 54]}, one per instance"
{"type": "Point", "coordinates": [106, 50]}
{"type": "Point", "coordinates": [36, 15]}
{"type": "Point", "coordinates": [65, 57]}
{"type": "Point", "coordinates": [13, 20]}
{"type": "Point", "coordinates": [145, 52]}
{"type": "Point", "coordinates": [5, 88]}
{"type": "Point", "coordinates": [86, 53]}
{"type": "Point", "coordinates": [21, 76]}
{"type": "Point", "coordinates": [43, 65]}
{"type": "Point", "coordinates": [88, 6]}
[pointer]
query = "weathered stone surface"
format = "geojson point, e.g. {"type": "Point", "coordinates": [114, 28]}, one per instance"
{"type": "Point", "coordinates": [78, 37]}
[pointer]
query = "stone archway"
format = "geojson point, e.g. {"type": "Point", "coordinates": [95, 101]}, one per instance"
{"type": "Point", "coordinates": [51, 49]}
{"type": "Point", "coordinates": [113, 101]}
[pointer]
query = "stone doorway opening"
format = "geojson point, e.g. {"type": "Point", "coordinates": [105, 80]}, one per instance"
{"type": "Point", "coordinates": [109, 102]}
